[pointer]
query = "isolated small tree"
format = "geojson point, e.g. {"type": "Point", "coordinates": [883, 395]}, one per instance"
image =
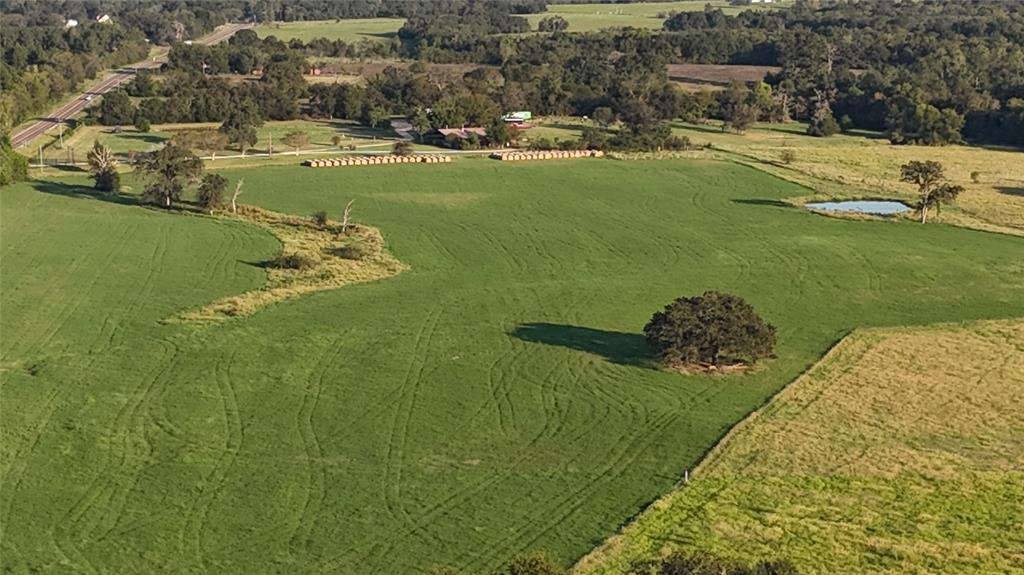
{"type": "Point", "coordinates": [553, 24]}
{"type": "Point", "coordinates": [500, 133]}
{"type": "Point", "coordinates": [142, 123]}
{"type": "Point", "coordinates": [932, 187]}
{"type": "Point", "coordinates": [823, 123]}
{"type": "Point", "coordinates": [210, 194]}
{"type": "Point", "coordinates": [212, 141]}
{"type": "Point", "coordinates": [240, 125]}
{"type": "Point", "coordinates": [103, 168]}
{"type": "Point", "coordinates": [604, 116]}
{"type": "Point", "coordinates": [738, 106]}
{"type": "Point", "coordinates": [296, 140]}
{"type": "Point", "coordinates": [788, 156]}
{"type": "Point", "coordinates": [169, 170]}
{"type": "Point", "coordinates": [709, 328]}
{"type": "Point", "coordinates": [320, 218]}
{"type": "Point", "coordinates": [741, 117]}
{"type": "Point", "coordinates": [402, 148]}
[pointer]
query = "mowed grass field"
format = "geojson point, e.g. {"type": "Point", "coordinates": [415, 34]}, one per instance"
{"type": "Point", "coordinates": [858, 165]}
{"type": "Point", "coordinates": [128, 139]}
{"type": "Point", "coordinates": [590, 17]}
{"type": "Point", "coordinates": [492, 399]}
{"type": "Point", "coordinates": [867, 165]}
{"type": "Point", "coordinates": [900, 453]}
{"type": "Point", "coordinates": [354, 30]}
{"type": "Point", "coordinates": [581, 18]}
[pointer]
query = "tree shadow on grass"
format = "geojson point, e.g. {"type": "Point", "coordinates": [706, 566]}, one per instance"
{"type": "Point", "coordinates": [147, 138]}
{"type": "Point", "coordinates": [83, 192]}
{"type": "Point", "coordinates": [763, 202]}
{"type": "Point", "coordinates": [615, 346]}
{"type": "Point", "coordinates": [1019, 192]}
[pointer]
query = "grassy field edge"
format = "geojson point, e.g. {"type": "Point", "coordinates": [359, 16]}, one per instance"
{"type": "Point", "coordinates": [613, 543]}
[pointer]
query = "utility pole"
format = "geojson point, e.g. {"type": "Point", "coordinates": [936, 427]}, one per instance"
{"type": "Point", "coordinates": [62, 134]}
{"type": "Point", "coordinates": [40, 157]}
{"type": "Point", "coordinates": [270, 142]}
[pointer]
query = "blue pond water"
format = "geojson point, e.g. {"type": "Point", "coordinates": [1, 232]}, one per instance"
{"type": "Point", "coordinates": [883, 208]}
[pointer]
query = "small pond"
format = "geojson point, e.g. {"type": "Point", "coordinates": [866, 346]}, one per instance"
{"type": "Point", "coordinates": [879, 207]}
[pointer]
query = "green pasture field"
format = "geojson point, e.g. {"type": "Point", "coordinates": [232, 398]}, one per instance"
{"type": "Point", "coordinates": [131, 140]}
{"type": "Point", "coordinates": [370, 29]}
{"type": "Point", "coordinates": [495, 398]}
{"type": "Point", "coordinates": [590, 17]}
{"type": "Point", "coordinates": [857, 165]}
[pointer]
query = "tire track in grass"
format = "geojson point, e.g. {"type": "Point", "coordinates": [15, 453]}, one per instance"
{"type": "Point", "coordinates": [563, 508]}
{"type": "Point", "coordinates": [157, 261]}
{"type": "Point", "coordinates": [34, 342]}
{"type": "Point", "coordinates": [405, 407]}
{"type": "Point", "coordinates": [636, 445]}
{"type": "Point", "coordinates": [141, 417]}
{"type": "Point", "coordinates": [213, 484]}
{"type": "Point", "coordinates": [553, 425]}
{"type": "Point", "coordinates": [373, 553]}
{"type": "Point", "coordinates": [20, 463]}
{"type": "Point", "coordinates": [304, 420]}
{"type": "Point", "coordinates": [100, 272]}
{"type": "Point", "coordinates": [87, 513]}
{"type": "Point", "coordinates": [52, 401]}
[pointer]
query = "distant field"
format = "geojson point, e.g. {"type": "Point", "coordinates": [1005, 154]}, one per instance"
{"type": "Point", "coordinates": [372, 29]}
{"type": "Point", "coordinates": [590, 17]}
{"type": "Point", "coordinates": [717, 75]}
{"type": "Point", "coordinates": [492, 399]}
{"type": "Point", "coordinates": [868, 166]}
{"type": "Point", "coordinates": [130, 140]}
{"type": "Point", "coordinates": [581, 17]}
{"type": "Point", "coordinates": [899, 453]}
{"type": "Point", "coordinates": [861, 165]}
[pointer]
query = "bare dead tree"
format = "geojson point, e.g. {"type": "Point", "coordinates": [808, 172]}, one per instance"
{"type": "Point", "coordinates": [345, 216]}
{"type": "Point", "coordinates": [234, 196]}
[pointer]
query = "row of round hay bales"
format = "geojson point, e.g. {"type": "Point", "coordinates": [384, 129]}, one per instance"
{"type": "Point", "coordinates": [551, 155]}
{"type": "Point", "coordinates": [377, 160]}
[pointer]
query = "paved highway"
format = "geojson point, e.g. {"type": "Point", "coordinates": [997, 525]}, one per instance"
{"type": "Point", "coordinates": [109, 82]}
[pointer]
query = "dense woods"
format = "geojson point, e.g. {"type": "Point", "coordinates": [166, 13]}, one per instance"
{"type": "Point", "coordinates": [923, 73]}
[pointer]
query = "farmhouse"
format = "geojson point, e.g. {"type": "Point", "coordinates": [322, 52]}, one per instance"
{"type": "Point", "coordinates": [445, 136]}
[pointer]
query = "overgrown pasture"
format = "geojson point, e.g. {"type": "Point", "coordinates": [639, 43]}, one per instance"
{"type": "Point", "coordinates": [496, 397]}
{"type": "Point", "coordinates": [898, 453]}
